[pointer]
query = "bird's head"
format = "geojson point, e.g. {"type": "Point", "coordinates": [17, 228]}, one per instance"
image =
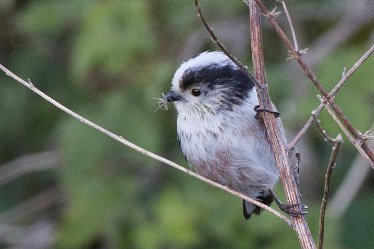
{"type": "Point", "coordinates": [209, 83]}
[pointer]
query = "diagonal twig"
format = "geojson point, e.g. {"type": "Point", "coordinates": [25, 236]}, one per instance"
{"type": "Point", "coordinates": [216, 40]}
{"type": "Point", "coordinates": [139, 149]}
{"type": "Point", "coordinates": [220, 44]}
{"type": "Point", "coordinates": [334, 91]}
{"type": "Point", "coordinates": [349, 73]}
{"type": "Point", "coordinates": [323, 132]}
{"type": "Point", "coordinates": [358, 143]}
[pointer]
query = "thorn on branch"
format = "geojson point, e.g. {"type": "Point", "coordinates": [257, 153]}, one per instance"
{"type": "Point", "coordinates": [297, 54]}
{"type": "Point", "coordinates": [363, 137]}
{"type": "Point", "coordinates": [303, 51]}
{"type": "Point", "coordinates": [292, 56]}
{"type": "Point", "coordinates": [274, 13]}
{"type": "Point", "coordinates": [344, 72]}
{"type": "Point", "coordinates": [368, 135]}
{"type": "Point", "coordinates": [30, 83]}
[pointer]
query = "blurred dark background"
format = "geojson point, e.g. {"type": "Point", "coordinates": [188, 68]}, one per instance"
{"type": "Point", "coordinates": [64, 185]}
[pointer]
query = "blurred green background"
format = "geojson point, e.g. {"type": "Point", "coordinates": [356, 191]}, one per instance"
{"type": "Point", "coordinates": [64, 185]}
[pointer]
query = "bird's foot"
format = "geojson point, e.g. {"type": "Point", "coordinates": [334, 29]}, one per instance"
{"type": "Point", "coordinates": [258, 110]}
{"type": "Point", "coordinates": [289, 209]}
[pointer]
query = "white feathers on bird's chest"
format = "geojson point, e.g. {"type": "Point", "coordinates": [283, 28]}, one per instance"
{"type": "Point", "coordinates": [204, 131]}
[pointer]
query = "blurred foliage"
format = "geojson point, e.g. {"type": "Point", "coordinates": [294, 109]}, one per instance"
{"type": "Point", "coordinates": [107, 60]}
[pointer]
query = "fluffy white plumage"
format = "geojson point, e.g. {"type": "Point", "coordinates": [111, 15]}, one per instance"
{"type": "Point", "coordinates": [218, 132]}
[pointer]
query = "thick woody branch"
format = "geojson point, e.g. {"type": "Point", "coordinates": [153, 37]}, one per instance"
{"type": "Point", "coordinates": [329, 99]}
{"type": "Point", "coordinates": [273, 130]}
{"type": "Point", "coordinates": [137, 148]}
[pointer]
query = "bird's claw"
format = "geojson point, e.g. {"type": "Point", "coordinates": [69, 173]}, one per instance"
{"type": "Point", "coordinates": [258, 110]}
{"type": "Point", "coordinates": [289, 209]}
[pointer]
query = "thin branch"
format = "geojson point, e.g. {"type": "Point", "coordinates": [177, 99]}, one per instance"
{"type": "Point", "coordinates": [139, 149]}
{"type": "Point", "coordinates": [273, 130]}
{"type": "Point", "coordinates": [294, 53]}
{"type": "Point", "coordinates": [290, 23]}
{"type": "Point", "coordinates": [334, 91]}
{"type": "Point", "coordinates": [358, 143]}
{"type": "Point", "coordinates": [349, 73]}
{"type": "Point", "coordinates": [369, 154]}
{"type": "Point", "coordinates": [323, 132]}
{"type": "Point", "coordinates": [326, 191]}
{"type": "Point", "coordinates": [216, 40]}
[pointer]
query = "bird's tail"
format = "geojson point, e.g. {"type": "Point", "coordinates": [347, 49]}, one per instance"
{"type": "Point", "coordinates": [249, 208]}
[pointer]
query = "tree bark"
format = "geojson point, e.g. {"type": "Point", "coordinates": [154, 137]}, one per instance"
{"type": "Point", "coordinates": [273, 131]}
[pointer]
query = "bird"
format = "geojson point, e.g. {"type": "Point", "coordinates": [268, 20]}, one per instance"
{"type": "Point", "coordinates": [219, 130]}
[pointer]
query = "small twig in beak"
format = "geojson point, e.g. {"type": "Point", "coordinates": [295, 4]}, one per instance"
{"type": "Point", "coordinates": [162, 103]}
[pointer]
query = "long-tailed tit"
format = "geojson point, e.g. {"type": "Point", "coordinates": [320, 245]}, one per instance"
{"type": "Point", "coordinates": [219, 134]}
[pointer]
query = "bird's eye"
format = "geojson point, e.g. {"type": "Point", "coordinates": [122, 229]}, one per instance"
{"type": "Point", "coordinates": [195, 92]}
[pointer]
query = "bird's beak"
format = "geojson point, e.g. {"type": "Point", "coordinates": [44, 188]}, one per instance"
{"type": "Point", "coordinates": [173, 96]}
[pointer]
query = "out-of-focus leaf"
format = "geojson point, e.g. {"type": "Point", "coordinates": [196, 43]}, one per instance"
{"type": "Point", "coordinates": [113, 35]}
{"type": "Point", "coordinates": [50, 17]}
{"type": "Point", "coordinates": [357, 225]}
{"type": "Point", "coordinates": [99, 190]}
{"type": "Point", "coordinates": [175, 225]}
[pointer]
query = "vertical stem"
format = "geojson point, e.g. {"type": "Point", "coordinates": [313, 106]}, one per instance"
{"type": "Point", "coordinates": [273, 131]}
{"type": "Point", "coordinates": [326, 191]}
